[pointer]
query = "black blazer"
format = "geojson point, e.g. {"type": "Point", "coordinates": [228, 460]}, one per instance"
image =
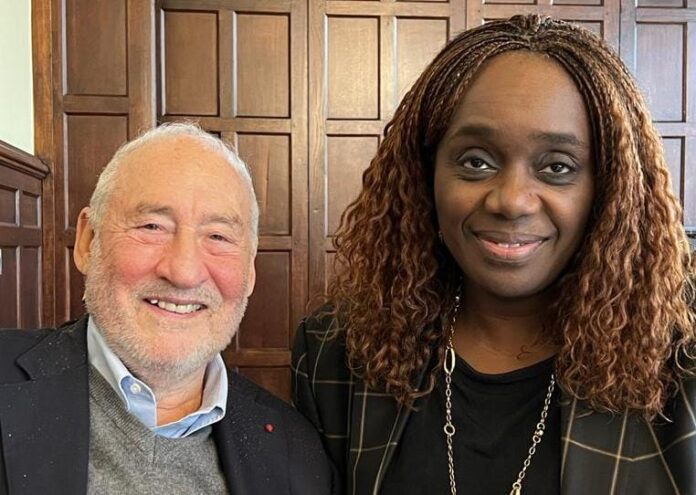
{"type": "Point", "coordinates": [44, 425]}
{"type": "Point", "coordinates": [602, 454]}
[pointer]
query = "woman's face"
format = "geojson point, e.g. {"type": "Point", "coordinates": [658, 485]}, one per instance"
{"type": "Point", "coordinates": [514, 176]}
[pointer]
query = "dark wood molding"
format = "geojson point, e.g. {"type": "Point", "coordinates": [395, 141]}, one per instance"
{"type": "Point", "coordinates": [22, 161]}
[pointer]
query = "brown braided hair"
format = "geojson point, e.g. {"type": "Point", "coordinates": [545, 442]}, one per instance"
{"type": "Point", "coordinates": [623, 318]}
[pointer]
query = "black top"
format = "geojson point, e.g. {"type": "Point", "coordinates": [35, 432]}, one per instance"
{"type": "Point", "coordinates": [495, 417]}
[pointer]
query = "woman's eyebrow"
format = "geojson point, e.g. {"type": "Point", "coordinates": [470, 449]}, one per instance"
{"type": "Point", "coordinates": [559, 138]}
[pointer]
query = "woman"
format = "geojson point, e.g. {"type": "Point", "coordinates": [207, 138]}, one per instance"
{"type": "Point", "coordinates": [515, 310]}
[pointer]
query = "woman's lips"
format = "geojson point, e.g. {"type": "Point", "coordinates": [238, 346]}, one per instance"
{"type": "Point", "coordinates": [512, 249]}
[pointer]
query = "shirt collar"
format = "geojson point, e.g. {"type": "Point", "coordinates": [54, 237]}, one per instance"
{"type": "Point", "coordinates": [144, 406]}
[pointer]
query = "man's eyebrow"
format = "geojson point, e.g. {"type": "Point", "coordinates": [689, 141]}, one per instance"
{"type": "Point", "coordinates": [233, 221]}
{"type": "Point", "coordinates": [152, 208]}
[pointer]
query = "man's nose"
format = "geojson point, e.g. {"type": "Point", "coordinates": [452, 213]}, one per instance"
{"type": "Point", "coordinates": [182, 262]}
{"type": "Point", "coordinates": [514, 193]}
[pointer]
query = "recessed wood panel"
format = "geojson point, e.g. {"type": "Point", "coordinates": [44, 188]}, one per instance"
{"type": "Point", "coordinates": [190, 63]}
{"type": "Point", "coordinates": [417, 43]}
{"type": "Point", "coordinates": [95, 41]}
{"type": "Point", "coordinates": [578, 2]}
{"type": "Point", "coordinates": [30, 287]}
{"type": "Point", "coordinates": [267, 320]}
{"type": "Point", "coordinates": [268, 157]}
{"type": "Point", "coordinates": [662, 3]}
{"type": "Point", "coordinates": [674, 153]}
{"type": "Point", "coordinates": [263, 65]}
{"type": "Point", "coordinates": [30, 209]}
{"type": "Point", "coordinates": [91, 142]}
{"type": "Point", "coordinates": [8, 287]}
{"type": "Point", "coordinates": [595, 27]}
{"type": "Point", "coordinates": [347, 158]}
{"type": "Point", "coordinates": [8, 205]}
{"type": "Point", "coordinates": [275, 380]}
{"type": "Point", "coordinates": [75, 286]}
{"type": "Point", "coordinates": [660, 77]}
{"type": "Point", "coordinates": [510, 2]}
{"type": "Point", "coordinates": [353, 67]}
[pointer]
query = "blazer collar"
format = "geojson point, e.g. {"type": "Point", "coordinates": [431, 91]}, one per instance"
{"type": "Point", "coordinates": [251, 457]}
{"type": "Point", "coordinates": [45, 420]}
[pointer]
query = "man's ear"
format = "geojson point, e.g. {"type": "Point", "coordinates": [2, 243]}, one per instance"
{"type": "Point", "coordinates": [84, 236]}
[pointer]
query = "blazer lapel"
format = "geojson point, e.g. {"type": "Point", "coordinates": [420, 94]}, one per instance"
{"type": "Point", "coordinates": [45, 420]}
{"type": "Point", "coordinates": [374, 413]}
{"type": "Point", "coordinates": [252, 459]}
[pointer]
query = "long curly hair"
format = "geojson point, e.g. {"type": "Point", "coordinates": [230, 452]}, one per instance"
{"type": "Point", "coordinates": [623, 318]}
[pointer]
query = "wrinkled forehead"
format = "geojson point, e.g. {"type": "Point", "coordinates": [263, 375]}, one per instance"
{"type": "Point", "coordinates": [181, 172]}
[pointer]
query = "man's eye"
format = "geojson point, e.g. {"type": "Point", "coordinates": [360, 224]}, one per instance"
{"type": "Point", "coordinates": [218, 237]}
{"type": "Point", "coordinates": [151, 227]}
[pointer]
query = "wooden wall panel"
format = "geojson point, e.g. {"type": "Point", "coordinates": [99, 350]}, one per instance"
{"type": "Point", "coordinates": [674, 154]}
{"type": "Point", "coordinates": [661, 78]}
{"type": "Point", "coordinates": [95, 32]}
{"type": "Point", "coordinates": [29, 287]}
{"type": "Point", "coordinates": [417, 43]}
{"type": "Point", "coordinates": [21, 275]}
{"type": "Point", "coordinates": [268, 157]}
{"type": "Point", "coordinates": [661, 3]}
{"type": "Point", "coordinates": [262, 328]}
{"type": "Point", "coordinates": [346, 158]}
{"type": "Point", "coordinates": [274, 379]}
{"type": "Point", "coordinates": [353, 67]}
{"type": "Point", "coordinates": [91, 142]}
{"type": "Point", "coordinates": [190, 63]}
{"type": "Point", "coordinates": [9, 288]}
{"type": "Point", "coordinates": [263, 65]}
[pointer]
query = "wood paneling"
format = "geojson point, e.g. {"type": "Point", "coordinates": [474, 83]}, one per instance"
{"type": "Point", "coordinates": [263, 327]}
{"type": "Point", "coordinates": [263, 65]}
{"type": "Point", "coordinates": [674, 154]}
{"type": "Point", "coordinates": [661, 3]}
{"type": "Point", "coordinates": [661, 78]}
{"type": "Point", "coordinates": [21, 299]}
{"type": "Point", "coordinates": [268, 157]}
{"type": "Point", "coordinates": [346, 158]}
{"type": "Point", "coordinates": [190, 63]}
{"type": "Point", "coordinates": [417, 43]}
{"type": "Point", "coordinates": [353, 67]}
{"type": "Point", "coordinates": [91, 142]}
{"type": "Point", "coordinates": [95, 38]}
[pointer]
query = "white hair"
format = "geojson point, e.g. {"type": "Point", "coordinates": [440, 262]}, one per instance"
{"type": "Point", "coordinates": [107, 179]}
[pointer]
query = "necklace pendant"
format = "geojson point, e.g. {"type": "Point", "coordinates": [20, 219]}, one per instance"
{"type": "Point", "coordinates": [516, 490]}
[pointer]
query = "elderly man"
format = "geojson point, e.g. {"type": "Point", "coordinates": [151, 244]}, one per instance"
{"type": "Point", "coordinates": [134, 398]}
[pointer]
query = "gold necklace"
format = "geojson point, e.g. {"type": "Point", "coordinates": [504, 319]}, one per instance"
{"type": "Point", "coordinates": [449, 427]}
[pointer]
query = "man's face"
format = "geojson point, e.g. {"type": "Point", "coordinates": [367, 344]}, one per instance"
{"type": "Point", "coordinates": [170, 272]}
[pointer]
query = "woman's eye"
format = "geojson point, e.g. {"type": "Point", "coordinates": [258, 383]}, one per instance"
{"type": "Point", "coordinates": [151, 226]}
{"type": "Point", "coordinates": [558, 169]}
{"type": "Point", "coordinates": [475, 164]}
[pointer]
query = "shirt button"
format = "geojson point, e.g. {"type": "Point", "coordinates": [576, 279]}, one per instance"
{"type": "Point", "coordinates": [135, 388]}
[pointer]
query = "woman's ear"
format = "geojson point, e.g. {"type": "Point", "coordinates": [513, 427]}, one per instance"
{"type": "Point", "coordinates": [83, 241]}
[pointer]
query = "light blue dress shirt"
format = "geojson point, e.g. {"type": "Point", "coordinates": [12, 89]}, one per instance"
{"type": "Point", "coordinates": [140, 400]}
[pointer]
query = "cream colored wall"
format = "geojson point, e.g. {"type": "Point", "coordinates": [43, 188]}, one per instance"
{"type": "Point", "coordinates": [16, 89]}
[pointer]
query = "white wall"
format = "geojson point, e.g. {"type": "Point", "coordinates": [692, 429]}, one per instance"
{"type": "Point", "coordinates": [16, 89]}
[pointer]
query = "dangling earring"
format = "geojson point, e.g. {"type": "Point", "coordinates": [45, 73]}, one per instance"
{"type": "Point", "coordinates": [439, 236]}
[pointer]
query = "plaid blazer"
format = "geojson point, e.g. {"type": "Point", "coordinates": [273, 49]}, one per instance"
{"type": "Point", "coordinates": [602, 454]}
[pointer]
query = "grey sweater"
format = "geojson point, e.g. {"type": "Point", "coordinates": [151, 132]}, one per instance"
{"type": "Point", "coordinates": [125, 457]}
